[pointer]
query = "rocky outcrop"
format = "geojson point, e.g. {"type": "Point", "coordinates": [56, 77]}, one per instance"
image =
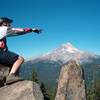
{"type": "Point", "coordinates": [71, 83]}
{"type": "Point", "coordinates": [4, 70]}
{"type": "Point", "coordinates": [23, 90]}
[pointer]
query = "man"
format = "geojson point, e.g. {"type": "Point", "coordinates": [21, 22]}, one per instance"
{"type": "Point", "coordinates": [7, 57]}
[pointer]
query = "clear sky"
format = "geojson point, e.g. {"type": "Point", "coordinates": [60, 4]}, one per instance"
{"type": "Point", "coordinates": [75, 21]}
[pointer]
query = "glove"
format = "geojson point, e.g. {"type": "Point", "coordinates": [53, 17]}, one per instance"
{"type": "Point", "coordinates": [27, 29]}
{"type": "Point", "coordinates": [36, 30]}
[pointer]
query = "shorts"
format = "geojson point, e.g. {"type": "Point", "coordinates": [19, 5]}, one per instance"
{"type": "Point", "coordinates": [8, 58]}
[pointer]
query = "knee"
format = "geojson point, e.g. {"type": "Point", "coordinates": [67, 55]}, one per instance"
{"type": "Point", "coordinates": [21, 59]}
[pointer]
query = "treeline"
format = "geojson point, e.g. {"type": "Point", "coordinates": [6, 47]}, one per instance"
{"type": "Point", "coordinates": [48, 92]}
{"type": "Point", "coordinates": [94, 92]}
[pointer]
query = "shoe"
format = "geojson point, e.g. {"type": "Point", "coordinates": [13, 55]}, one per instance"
{"type": "Point", "coordinates": [12, 79]}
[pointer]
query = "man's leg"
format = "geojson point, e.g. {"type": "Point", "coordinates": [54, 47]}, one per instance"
{"type": "Point", "coordinates": [16, 65]}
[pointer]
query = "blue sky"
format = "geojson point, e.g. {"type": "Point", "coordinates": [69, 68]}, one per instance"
{"type": "Point", "coordinates": [62, 21]}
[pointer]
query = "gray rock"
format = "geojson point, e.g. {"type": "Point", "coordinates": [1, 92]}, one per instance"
{"type": "Point", "coordinates": [23, 90]}
{"type": "Point", "coordinates": [71, 83]}
{"type": "Point", "coordinates": [4, 71]}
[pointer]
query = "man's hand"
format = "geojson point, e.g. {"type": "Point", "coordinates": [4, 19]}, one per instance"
{"type": "Point", "coordinates": [36, 30]}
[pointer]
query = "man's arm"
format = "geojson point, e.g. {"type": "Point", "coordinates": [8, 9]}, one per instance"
{"type": "Point", "coordinates": [21, 31]}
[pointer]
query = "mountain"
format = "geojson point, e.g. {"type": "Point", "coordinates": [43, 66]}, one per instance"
{"type": "Point", "coordinates": [48, 66]}
{"type": "Point", "coordinates": [67, 52]}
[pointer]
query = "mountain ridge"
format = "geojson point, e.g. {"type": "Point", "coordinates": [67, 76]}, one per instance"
{"type": "Point", "coordinates": [66, 52]}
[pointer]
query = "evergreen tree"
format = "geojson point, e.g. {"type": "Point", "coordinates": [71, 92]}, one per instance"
{"type": "Point", "coordinates": [46, 96]}
{"type": "Point", "coordinates": [34, 76]}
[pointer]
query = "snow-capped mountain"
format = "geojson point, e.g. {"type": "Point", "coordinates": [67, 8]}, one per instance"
{"type": "Point", "coordinates": [67, 52]}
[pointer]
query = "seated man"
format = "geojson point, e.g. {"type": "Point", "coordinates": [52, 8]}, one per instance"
{"type": "Point", "coordinates": [7, 57]}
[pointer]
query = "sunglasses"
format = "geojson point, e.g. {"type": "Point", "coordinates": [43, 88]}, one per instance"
{"type": "Point", "coordinates": [6, 24]}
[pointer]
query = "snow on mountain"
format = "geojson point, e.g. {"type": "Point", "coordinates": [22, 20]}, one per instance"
{"type": "Point", "coordinates": [69, 47]}
{"type": "Point", "coordinates": [66, 52]}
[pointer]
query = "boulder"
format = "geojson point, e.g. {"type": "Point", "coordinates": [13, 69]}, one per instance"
{"type": "Point", "coordinates": [22, 90]}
